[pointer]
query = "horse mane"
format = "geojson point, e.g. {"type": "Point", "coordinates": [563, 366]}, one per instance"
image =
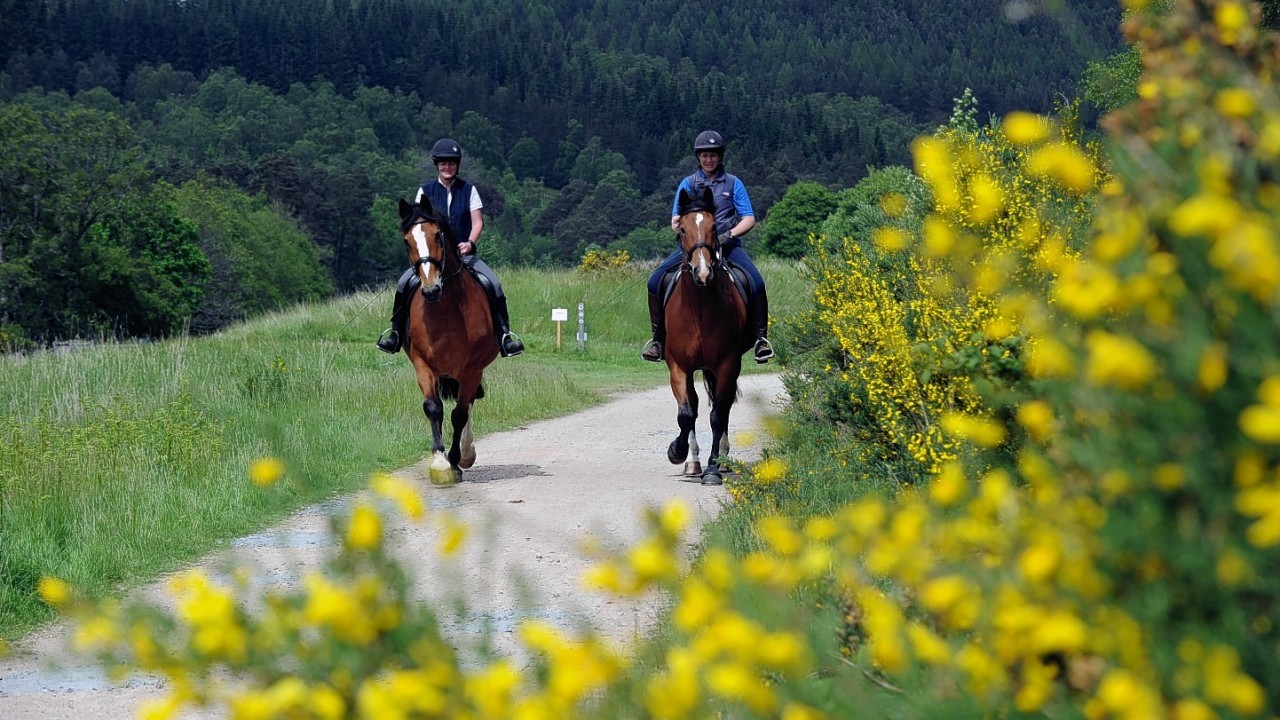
{"type": "Point", "coordinates": [412, 213]}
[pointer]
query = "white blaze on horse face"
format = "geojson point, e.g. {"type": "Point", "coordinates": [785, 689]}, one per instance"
{"type": "Point", "coordinates": [702, 270]}
{"type": "Point", "coordinates": [432, 278]}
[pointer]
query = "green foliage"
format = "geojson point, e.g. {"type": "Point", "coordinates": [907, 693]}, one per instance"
{"type": "Point", "coordinates": [142, 272]}
{"type": "Point", "coordinates": [805, 206]}
{"type": "Point", "coordinates": [1113, 83]}
{"type": "Point", "coordinates": [260, 261]}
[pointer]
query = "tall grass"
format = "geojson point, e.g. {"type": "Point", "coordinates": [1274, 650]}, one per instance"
{"type": "Point", "coordinates": [121, 461]}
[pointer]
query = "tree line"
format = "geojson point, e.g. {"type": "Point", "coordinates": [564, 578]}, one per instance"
{"type": "Point", "coordinates": [576, 122]}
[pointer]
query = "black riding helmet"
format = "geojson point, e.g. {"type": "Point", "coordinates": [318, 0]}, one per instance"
{"type": "Point", "coordinates": [446, 149]}
{"type": "Point", "coordinates": [708, 140]}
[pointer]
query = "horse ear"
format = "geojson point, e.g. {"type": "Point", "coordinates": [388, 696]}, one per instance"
{"type": "Point", "coordinates": [708, 198]}
{"type": "Point", "coordinates": [685, 200]}
{"type": "Point", "coordinates": [405, 208]}
{"type": "Point", "coordinates": [425, 204]}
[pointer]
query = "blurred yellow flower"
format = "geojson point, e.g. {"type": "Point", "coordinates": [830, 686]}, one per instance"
{"type": "Point", "coordinates": [399, 491]}
{"type": "Point", "coordinates": [1261, 423]}
{"type": "Point", "coordinates": [54, 591]}
{"type": "Point", "coordinates": [893, 204]}
{"type": "Point", "coordinates": [1118, 361]}
{"type": "Point", "coordinates": [1024, 128]}
{"type": "Point", "coordinates": [1235, 102]}
{"type": "Point", "coordinates": [890, 239]}
{"type": "Point", "coordinates": [454, 534]}
{"type": "Point", "coordinates": [266, 471]}
{"type": "Point", "coordinates": [1066, 164]}
{"type": "Point", "coordinates": [1211, 374]}
{"type": "Point", "coordinates": [949, 485]}
{"type": "Point", "coordinates": [1037, 417]}
{"type": "Point", "coordinates": [980, 431]}
{"type": "Point", "coordinates": [988, 199]}
{"type": "Point", "coordinates": [364, 529]}
{"type": "Point", "coordinates": [674, 517]}
{"type": "Point", "coordinates": [770, 469]}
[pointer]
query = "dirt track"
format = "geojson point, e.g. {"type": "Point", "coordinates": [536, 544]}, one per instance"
{"type": "Point", "coordinates": [535, 494]}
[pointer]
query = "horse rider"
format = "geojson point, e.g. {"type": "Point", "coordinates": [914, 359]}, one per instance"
{"type": "Point", "coordinates": [460, 201]}
{"type": "Point", "coordinates": [734, 218]}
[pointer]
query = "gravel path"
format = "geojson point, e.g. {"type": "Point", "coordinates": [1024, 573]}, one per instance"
{"type": "Point", "coordinates": [534, 496]}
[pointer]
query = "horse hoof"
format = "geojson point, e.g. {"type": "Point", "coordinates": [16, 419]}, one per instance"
{"type": "Point", "coordinates": [693, 468]}
{"type": "Point", "coordinates": [677, 451]}
{"type": "Point", "coordinates": [467, 460]}
{"type": "Point", "coordinates": [444, 477]}
{"type": "Point", "coordinates": [712, 478]}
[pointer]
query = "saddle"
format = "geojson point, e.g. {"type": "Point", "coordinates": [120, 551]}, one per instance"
{"type": "Point", "coordinates": [740, 279]}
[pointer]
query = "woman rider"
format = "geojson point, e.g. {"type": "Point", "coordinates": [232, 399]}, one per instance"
{"type": "Point", "coordinates": [461, 204]}
{"type": "Point", "coordinates": [734, 218]}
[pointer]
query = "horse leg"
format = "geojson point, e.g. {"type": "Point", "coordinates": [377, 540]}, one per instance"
{"type": "Point", "coordinates": [461, 417]}
{"type": "Point", "coordinates": [467, 445]}
{"type": "Point", "coordinates": [462, 452]}
{"type": "Point", "coordinates": [723, 395]}
{"type": "Point", "coordinates": [440, 470]}
{"type": "Point", "coordinates": [686, 414]}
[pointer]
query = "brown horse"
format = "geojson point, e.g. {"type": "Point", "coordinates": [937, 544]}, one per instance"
{"type": "Point", "coordinates": [451, 338]}
{"type": "Point", "coordinates": [706, 320]}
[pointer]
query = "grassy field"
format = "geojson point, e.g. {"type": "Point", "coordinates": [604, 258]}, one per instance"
{"type": "Point", "coordinates": [119, 462]}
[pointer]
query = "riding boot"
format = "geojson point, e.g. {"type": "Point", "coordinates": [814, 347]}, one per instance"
{"type": "Point", "coordinates": [391, 339]}
{"type": "Point", "coordinates": [760, 318]}
{"type": "Point", "coordinates": [652, 350]}
{"type": "Point", "coordinates": [509, 343]}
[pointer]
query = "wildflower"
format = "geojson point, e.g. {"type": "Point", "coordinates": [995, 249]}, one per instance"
{"type": "Point", "coordinates": [1212, 371]}
{"type": "Point", "coordinates": [455, 533]}
{"type": "Point", "coordinates": [401, 492]}
{"type": "Point", "coordinates": [890, 239]}
{"type": "Point", "coordinates": [780, 535]}
{"type": "Point", "coordinates": [54, 591]}
{"type": "Point", "coordinates": [1235, 102]}
{"type": "Point", "coordinates": [1261, 423]}
{"type": "Point", "coordinates": [948, 485]}
{"type": "Point", "coordinates": [982, 432]}
{"type": "Point", "coordinates": [770, 469]}
{"type": "Point", "coordinates": [1037, 417]}
{"type": "Point", "coordinates": [1064, 163]}
{"type": "Point", "coordinates": [364, 531]}
{"type": "Point", "coordinates": [1024, 128]}
{"type": "Point", "coordinates": [1118, 360]}
{"type": "Point", "coordinates": [266, 471]}
{"type": "Point", "coordinates": [674, 518]}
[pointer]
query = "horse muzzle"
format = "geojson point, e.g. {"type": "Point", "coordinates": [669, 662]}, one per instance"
{"type": "Point", "coordinates": [432, 294]}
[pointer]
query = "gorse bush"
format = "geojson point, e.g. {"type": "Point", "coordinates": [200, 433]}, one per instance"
{"type": "Point", "coordinates": [1076, 352]}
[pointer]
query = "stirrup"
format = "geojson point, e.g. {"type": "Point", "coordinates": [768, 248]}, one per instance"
{"type": "Point", "coordinates": [510, 345]}
{"type": "Point", "coordinates": [389, 341]}
{"type": "Point", "coordinates": [764, 350]}
{"type": "Point", "coordinates": [652, 351]}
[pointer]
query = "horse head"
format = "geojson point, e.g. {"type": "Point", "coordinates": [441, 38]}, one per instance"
{"type": "Point", "coordinates": [426, 236]}
{"type": "Point", "coordinates": [697, 235]}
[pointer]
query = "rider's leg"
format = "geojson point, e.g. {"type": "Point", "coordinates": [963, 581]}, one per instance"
{"type": "Point", "coordinates": [759, 302]}
{"type": "Point", "coordinates": [509, 344]}
{"type": "Point", "coordinates": [392, 339]}
{"type": "Point", "coordinates": [652, 350]}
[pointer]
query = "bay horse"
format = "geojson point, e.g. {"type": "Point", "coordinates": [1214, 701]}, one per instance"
{"type": "Point", "coordinates": [450, 336]}
{"type": "Point", "coordinates": [707, 330]}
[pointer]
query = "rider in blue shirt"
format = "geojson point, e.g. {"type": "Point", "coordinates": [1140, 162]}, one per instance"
{"type": "Point", "coordinates": [460, 202]}
{"type": "Point", "coordinates": [734, 218]}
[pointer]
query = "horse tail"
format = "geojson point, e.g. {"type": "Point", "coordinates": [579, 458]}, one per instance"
{"type": "Point", "coordinates": [709, 380]}
{"type": "Point", "coordinates": [448, 389]}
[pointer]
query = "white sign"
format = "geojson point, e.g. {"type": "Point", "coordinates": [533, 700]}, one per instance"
{"type": "Point", "coordinates": [559, 314]}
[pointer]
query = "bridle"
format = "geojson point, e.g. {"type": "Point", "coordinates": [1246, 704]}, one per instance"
{"type": "Point", "coordinates": [428, 259]}
{"type": "Point", "coordinates": [717, 256]}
